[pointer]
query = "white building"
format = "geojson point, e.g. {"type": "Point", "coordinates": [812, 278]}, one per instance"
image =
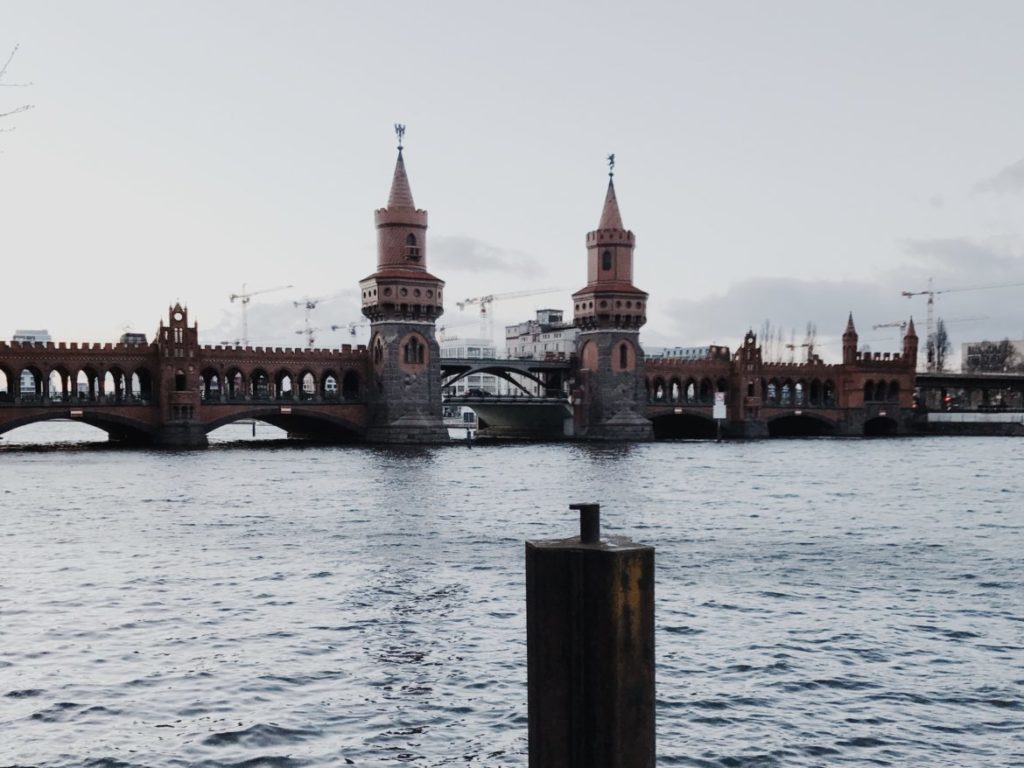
{"type": "Point", "coordinates": [547, 337]}
{"type": "Point", "coordinates": [709, 352]}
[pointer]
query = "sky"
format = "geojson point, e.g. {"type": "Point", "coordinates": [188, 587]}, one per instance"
{"type": "Point", "coordinates": [787, 162]}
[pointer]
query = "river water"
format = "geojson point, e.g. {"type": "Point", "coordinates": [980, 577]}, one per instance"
{"type": "Point", "coordinates": [819, 602]}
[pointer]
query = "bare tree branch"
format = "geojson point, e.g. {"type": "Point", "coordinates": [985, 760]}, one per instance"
{"type": "Point", "coordinates": [16, 110]}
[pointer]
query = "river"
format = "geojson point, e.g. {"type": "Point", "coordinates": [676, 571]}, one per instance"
{"type": "Point", "coordinates": [819, 602]}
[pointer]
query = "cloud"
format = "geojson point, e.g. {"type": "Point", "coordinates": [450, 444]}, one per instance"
{"type": "Point", "coordinates": [789, 304]}
{"type": "Point", "coordinates": [1010, 179]}
{"type": "Point", "coordinates": [461, 253]}
{"type": "Point", "coordinates": [958, 262]}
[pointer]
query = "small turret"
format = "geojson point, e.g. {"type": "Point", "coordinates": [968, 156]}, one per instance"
{"type": "Point", "coordinates": [850, 342]}
{"type": "Point", "coordinates": [910, 345]}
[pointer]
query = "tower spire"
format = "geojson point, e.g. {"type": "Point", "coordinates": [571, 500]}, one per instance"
{"type": "Point", "coordinates": [610, 216]}
{"type": "Point", "coordinates": [401, 193]}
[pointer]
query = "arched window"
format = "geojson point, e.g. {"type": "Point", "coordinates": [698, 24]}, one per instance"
{"type": "Point", "coordinates": [606, 260]}
{"type": "Point", "coordinates": [350, 386]}
{"type": "Point", "coordinates": [412, 250]}
{"type": "Point", "coordinates": [623, 356]}
{"type": "Point", "coordinates": [179, 381]}
{"type": "Point", "coordinates": [414, 350]}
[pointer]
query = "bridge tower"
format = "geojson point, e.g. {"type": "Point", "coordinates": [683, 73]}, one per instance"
{"type": "Point", "coordinates": [402, 301]}
{"type": "Point", "coordinates": [910, 346]}
{"type": "Point", "coordinates": [609, 312]}
{"type": "Point", "coordinates": [178, 381]}
{"type": "Point", "coordinates": [850, 343]}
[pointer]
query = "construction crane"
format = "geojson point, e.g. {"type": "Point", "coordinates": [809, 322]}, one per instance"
{"type": "Point", "coordinates": [485, 305]}
{"type": "Point", "coordinates": [244, 298]}
{"type": "Point", "coordinates": [307, 329]}
{"type": "Point", "coordinates": [351, 326]}
{"type": "Point", "coordinates": [808, 343]}
{"type": "Point", "coordinates": [902, 325]}
{"type": "Point", "coordinates": [442, 330]}
{"type": "Point", "coordinates": [931, 293]}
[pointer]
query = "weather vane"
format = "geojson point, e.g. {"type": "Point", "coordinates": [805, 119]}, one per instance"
{"type": "Point", "coordinates": [399, 132]}
{"type": "Point", "coordinates": [611, 164]}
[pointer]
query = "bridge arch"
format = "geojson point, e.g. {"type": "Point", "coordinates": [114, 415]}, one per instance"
{"type": "Point", "coordinates": [690, 393]}
{"type": "Point", "coordinates": [828, 393]}
{"type": "Point", "coordinates": [306, 384]}
{"type": "Point", "coordinates": [675, 390]}
{"type": "Point", "coordinates": [350, 385]}
{"type": "Point", "coordinates": [31, 382]}
{"type": "Point", "coordinates": [706, 389]}
{"type": "Point", "coordinates": [329, 389]}
{"type": "Point", "coordinates": [259, 385]}
{"type": "Point", "coordinates": [284, 384]}
{"type": "Point", "coordinates": [234, 384]}
{"type": "Point", "coordinates": [800, 392]}
{"type": "Point", "coordinates": [658, 390]}
{"type": "Point", "coordinates": [800, 425]}
{"type": "Point", "coordinates": [6, 386]}
{"type": "Point", "coordinates": [814, 393]}
{"type": "Point", "coordinates": [116, 426]}
{"type": "Point", "coordinates": [142, 384]}
{"type": "Point", "coordinates": [313, 424]}
{"type": "Point", "coordinates": [209, 385]}
{"type": "Point", "coordinates": [59, 383]}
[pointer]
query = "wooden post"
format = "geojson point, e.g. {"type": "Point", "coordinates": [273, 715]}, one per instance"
{"type": "Point", "coordinates": [590, 650]}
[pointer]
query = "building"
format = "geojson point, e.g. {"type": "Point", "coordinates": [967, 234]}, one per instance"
{"type": "Point", "coordinates": [547, 337]}
{"type": "Point", "coordinates": [1006, 356]}
{"type": "Point", "coordinates": [710, 352]}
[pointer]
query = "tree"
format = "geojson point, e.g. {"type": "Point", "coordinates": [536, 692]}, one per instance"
{"type": "Point", "coordinates": [16, 110]}
{"type": "Point", "coordinates": [938, 347]}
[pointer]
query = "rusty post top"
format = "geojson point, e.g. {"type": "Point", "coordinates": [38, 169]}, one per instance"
{"type": "Point", "coordinates": [590, 522]}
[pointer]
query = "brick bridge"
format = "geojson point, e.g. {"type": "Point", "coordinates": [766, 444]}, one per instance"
{"type": "Point", "coordinates": [174, 391]}
{"type": "Point", "coordinates": [867, 394]}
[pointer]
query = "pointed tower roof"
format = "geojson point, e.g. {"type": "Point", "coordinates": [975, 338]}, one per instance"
{"type": "Point", "coordinates": [610, 216]}
{"type": "Point", "coordinates": [849, 326]}
{"type": "Point", "coordinates": [401, 194]}
{"type": "Point", "coordinates": [910, 328]}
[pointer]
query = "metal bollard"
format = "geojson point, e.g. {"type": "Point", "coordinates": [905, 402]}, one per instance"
{"type": "Point", "coordinates": [590, 650]}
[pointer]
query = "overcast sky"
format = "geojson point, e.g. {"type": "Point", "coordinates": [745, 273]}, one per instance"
{"type": "Point", "coordinates": [790, 161]}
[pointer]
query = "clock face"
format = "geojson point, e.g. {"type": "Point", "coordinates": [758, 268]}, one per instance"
{"type": "Point", "coordinates": [178, 316]}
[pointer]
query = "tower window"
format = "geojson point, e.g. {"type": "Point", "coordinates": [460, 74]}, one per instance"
{"type": "Point", "coordinates": [623, 356]}
{"type": "Point", "coordinates": [606, 260]}
{"type": "Point", "coordinates": [412, 250]}
{"type": "Point", "coordinates": [414, 351]}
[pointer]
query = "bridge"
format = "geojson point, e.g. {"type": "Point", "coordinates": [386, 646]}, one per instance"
{"type": "Point", "coordinates": [538, 407]}
{"type": "Point", "coordinates": [174, 391]}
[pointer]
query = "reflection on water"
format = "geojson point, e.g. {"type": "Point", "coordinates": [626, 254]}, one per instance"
{"type": "Point", "coordinates": [818, 602]}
